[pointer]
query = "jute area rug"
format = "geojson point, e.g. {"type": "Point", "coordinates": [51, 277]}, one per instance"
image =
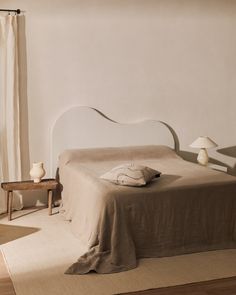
{"type": "Point", "coordinates": [38, 249]}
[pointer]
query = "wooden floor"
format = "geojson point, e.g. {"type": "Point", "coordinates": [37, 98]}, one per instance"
{"type": "Point", "coordinates": [225, 286]}
{"type": "Point", "coordinates": [6, 286]}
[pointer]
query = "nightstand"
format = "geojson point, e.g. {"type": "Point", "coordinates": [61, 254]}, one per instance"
{"type": "Point", "coordinates": [46, 184]}
{"type": "Point", "coordinates": [217, 167]}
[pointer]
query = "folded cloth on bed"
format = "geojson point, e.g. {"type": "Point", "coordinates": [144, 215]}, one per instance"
{"type": "Point", "coordinates": [190, 208]}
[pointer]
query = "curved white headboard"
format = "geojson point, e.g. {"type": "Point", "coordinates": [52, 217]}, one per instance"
{"type": "Point", "coordinates": [86, 127]}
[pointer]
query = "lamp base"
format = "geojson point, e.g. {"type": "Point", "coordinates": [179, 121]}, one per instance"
{"type": "Point", "coordinates": [203, 157]}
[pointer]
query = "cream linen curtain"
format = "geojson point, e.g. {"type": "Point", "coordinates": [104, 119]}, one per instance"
{"type": "Point", "coordinates": [10, 160]}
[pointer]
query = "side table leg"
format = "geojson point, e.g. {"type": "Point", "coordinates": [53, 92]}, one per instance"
{"type": "Point", "coordinates": [50, 202]}
{"type": "Point", "coordinates": [7, 201]}
{"type": "Point", "coordinates": [10, 199]}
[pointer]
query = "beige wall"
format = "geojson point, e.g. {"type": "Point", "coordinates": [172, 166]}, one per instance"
{"type": "Point", "coordinates": [172, 60]}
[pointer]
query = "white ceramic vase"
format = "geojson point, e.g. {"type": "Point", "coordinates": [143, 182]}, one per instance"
{"type": "Point", "coordinates": [37, 172]}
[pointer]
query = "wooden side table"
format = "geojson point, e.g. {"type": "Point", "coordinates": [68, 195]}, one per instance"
{"type": "Point", "coordinates": [46, 184]}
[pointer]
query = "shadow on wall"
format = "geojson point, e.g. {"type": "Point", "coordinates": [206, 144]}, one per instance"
{"type": "Point", "coordinates": [175, 136]}
{"type": "Point", "coordinates": [230, 152]}
{"type": "Point", "coordinates": [192, 157]}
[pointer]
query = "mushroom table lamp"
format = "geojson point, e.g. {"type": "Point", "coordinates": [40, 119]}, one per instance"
{"type": "Point", "coordinates": [203, 143]}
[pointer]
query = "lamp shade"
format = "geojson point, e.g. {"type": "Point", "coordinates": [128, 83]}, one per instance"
{"type": "Point", "coordinates": [203, 142]}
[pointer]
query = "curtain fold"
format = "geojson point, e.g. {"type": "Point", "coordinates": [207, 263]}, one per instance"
{"type": "Point", "coordinates": [10, 159]}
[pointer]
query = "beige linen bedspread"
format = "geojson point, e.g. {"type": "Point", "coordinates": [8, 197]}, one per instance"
{"type": "Point", "coordinates": [188, 209]}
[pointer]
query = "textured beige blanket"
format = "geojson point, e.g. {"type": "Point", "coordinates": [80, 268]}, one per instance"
{"type": "Point", "coordinates": [190, 208]}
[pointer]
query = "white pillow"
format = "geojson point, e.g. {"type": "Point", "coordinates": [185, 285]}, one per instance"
{"type": "Point", "coordinates": [131, 175]}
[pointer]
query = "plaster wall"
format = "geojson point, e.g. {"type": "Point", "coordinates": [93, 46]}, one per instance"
{"type": "Point", "coordinates": [169, 60]}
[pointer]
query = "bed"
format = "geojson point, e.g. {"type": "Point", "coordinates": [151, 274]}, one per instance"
{"type": "Point", "coordinates": [188, 209]}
